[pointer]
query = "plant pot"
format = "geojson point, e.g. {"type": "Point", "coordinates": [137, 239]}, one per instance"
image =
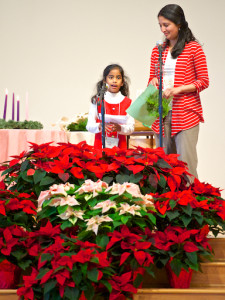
{"type": "Point", "coordinates": [182, 281]}
{"type": "Point", "coordinates": [9, 275]}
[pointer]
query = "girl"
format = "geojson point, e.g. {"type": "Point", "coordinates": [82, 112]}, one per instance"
{"type": "Point", "coordinates": [118, 123]}
{"type": "Point", "coordinates": [185, 75]}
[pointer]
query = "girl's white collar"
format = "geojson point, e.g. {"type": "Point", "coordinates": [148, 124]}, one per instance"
{"type": "Point", "coordinates": [113, 98]}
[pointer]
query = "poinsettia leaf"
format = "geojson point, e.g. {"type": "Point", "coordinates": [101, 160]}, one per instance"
{"type": "Point", "coordinates": [93, 274]}
{"type": "Point", "coordinates": [121, 178]}
{"type": "Point", "coordinates": [42, 272]}
{"type": "Point", "coordinates": [49, 285]}
{"type": "Point", "coordinates": [176, 266]}
{"type": "Point", "coordinates": [140, 222]}
{"type": "Point", "coordinates": [46, 257]}
{"type": "Point", "coordinates": [62, 209]}
{"type": "Point", "coordinates": [89, 292]}
{"type": "Point", "coordinates": [172, 214]}
{"type": "Point", "coordinates": [152, 218]}
{"type": "Point", "coordinates": [25, 177]}
{"type": "Point", "coordinates": [172, 203]}
{"type": "Point", "coordinates": [73, 220]}
{"type": "Point", "coordinates": [187, 209]}
{"type": "Point", "coordinates": [153, 180]}
{"type": "Point", "coordinates": [102, 241]}
{"type": "Point", "coordinates": [64, 176]}
{"type": "Point", "coordinates": [107, 179]}
{"type": "Point", "coordinates": [72, 293]}
{"type": "Point", "coordinates": [66, 224]}
{"type": "Point", "coordinates": [38, 175]}
{"type": "Point", "coordinates": [24, 165]}
{"type": "Point", "coordinates": [135, 178]}
{"type": "Point", "coordinates": [186, 220]}
{"type": "Point", "coordinates": [162, 181]}
{"type": "Point", "coordinates": [192, 256]}
{"type": "Point", "coordinates": [163, 164]}
{"type": "Point", "coordinates": [24, 264]}
{"type": "Point", "coordinates": [107, 285]}
{"type": "Point", "coordinates": [18, 254]}
{"type": "Point", "coordinates": [47, 180]}
{"type": "Point", "coordinates": [8, 170]}
{"type": "Point", "coordinates": [199, 219]}
{"type": "Point", "coordinates": [77, 277]}
{"type": "Point", "coordinates": [125, 219]}
{"type": "Point", "coordinates": [138, 280]}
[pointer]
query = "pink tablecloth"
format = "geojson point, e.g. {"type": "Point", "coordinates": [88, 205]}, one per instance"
{"type": "Point", "coordinates": [15, 141]}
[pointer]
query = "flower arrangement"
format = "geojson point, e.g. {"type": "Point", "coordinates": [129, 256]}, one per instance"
{"type": "Point", "coordinates": [106, 218]}
{"type": "Point", "coordinates": [96, 242]}
{"type": "Point", "coordinates": [77, 123]}
{"type": "Point", "coordinates": [20, 124]}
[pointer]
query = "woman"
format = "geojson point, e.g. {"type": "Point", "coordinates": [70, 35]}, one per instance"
{"type": "Point", "coordinates": [185, 75]}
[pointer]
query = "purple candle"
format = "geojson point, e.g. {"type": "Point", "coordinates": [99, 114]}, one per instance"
{"type": "Point", "coordinates": [13, 104]}
{"type": "Point", "coordinates": [5, 107]}
{"type": "Point", "coordinates": [18, 109]}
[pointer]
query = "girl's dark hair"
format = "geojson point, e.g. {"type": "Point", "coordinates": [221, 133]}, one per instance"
{"type": "Point", "coordinates": [124, 88]}
{"type": "Point", "coordinates": [175, 13]}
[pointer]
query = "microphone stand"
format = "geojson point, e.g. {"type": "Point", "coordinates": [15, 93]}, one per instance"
{"type": "Point", "coordinates": [160, 96]}
{"type": "Point", "coordinates": [101, 101]}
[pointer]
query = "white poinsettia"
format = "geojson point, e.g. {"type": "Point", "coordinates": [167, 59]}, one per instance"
{"type": "Point", "coordinates": [131, 209]}
{"type": "Point", "coordinates": [70, 213]}
{"type": "Point", "coordinates": [131, 188]}
{"type": "Point", "coordinates": [94, 222]}
{"type": "Point", "coordinates": [69, 200]}
{"type": "Point", "coordinates": [105, 205]}
{"type": "Point", "coordinates": [90, 186]}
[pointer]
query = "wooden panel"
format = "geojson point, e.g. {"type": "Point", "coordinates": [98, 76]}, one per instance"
{"type": "Point", "coordinates": [218, 245]}
{"type": "Point", "coordinates": [8, 295]}
{"type": "Point", "coordinates": [178, 294]}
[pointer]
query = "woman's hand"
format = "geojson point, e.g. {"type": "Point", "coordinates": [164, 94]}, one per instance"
{"type": "Point", "coordinates": [154, 82]}
{"type": "Point", "coordinates": [168, 93]}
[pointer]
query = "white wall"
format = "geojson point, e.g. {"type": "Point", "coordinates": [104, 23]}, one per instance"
{"type": "Point", "coordinates": [57, 49]}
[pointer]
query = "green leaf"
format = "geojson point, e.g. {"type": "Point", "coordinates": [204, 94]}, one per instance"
{"type": "Point", "coordinates": [24, 165]}
{"type": "Point", "coordinates": [138, 280]}
{"type": "Point", "coordinates": [46, 257]}
{"type": "Point", "coordinates": [192, 256]}
{"type": "Point", "coordinates": [77, 277]}
{"type": "Point", "coordinates": [135, 178]}
{"type": "Point", "coordinates": [24, 264]}
{"type": "Point", "coordinates": [73, 220]}
{"type": "Point", "coordinates": [140, 222]}
{"type": "Point", "coordinates": [102, 241]}
{"type": "Point", "coordinates": [172, 214]}
{"type": "Point", "coordinates": [121, 178]}
{"type": "Point", "coordinates": [38, 175]}
{"type": "Point", "coordinates": [49, 285]}
{"type": "Point", "coordinates": [124, 219]}
{"type": "Point", "coordinates": [186, 220]}
{"type": "Point", "coordinates": [107, 179]}
{"type": "Point", "coordinates": [152, 218]}
{"type": "Point", "coordinates": [66, 224]}
{"type": "Point", "coordinates": [107, 285]}
{"type": "Point", "coordinates": [162, 181]}
{"type": "Point", "coordinates": [172, 203]}
{"type": "Point", "coordinates": [25, 177]}
{"type": "Point", "coordinates": [176, 266]}
{"type": "Point", "coordinates": [47, 180]}
{"type": "Point", "coordinates": [42, 272]}
{"type": "Point", "coordinates": [187, 209]}
{"type": "Point", "coordinates": [72, 293]}
{"type": "Point", "coordinates": [62, 209]}
{"type": "Point", "coordinates": [93, 275]}
{"type": "Point", "coordinates": [161, 163]}
{"type": "Point", "coordinates": [199, 219]}
{"type": "Point", "coordinates": [89, 292]}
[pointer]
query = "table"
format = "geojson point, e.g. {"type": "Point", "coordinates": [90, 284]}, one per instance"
{"type": "Point", "coordinates": [15, 141]}
{"type": "Point", "coordinates": [75, 137]}
{"type": "Point", "coordinates": [141, 130]}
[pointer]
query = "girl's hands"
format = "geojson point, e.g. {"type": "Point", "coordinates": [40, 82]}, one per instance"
{"type": "Point", "coordinates": [112, 127]}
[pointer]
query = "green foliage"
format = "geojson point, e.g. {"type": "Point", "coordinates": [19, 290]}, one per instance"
{"type": "Point", "coordinates": [153, 105]}
{"type": "Point", "coordinates": [80, 125]}
{"type": "Point", "coordinates": [20, 125]}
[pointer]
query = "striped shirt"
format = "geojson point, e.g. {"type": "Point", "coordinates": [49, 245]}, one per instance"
{"type": "Point", "coordinates": [191, 68]}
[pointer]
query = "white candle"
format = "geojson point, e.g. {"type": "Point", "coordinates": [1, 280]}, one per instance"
{"type": "Point", "coordinates": [27, 108]}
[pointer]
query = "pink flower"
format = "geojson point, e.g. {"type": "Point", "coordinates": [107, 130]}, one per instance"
{"type": "Point", "coordinates": [91, 186]}
{"type": "Point", "coordinates": [131, 209]}
{"type": "Point", "coordinates": [131, 188]}
{"type": "Point", "coordinates": [69, 200]}
{"type": "Point", "coordinates": [95, 221]}
{"type": "Point", "coordinates": [71, 212]}
{"type": "Point", "coordinates": [58, 189]}
{"type": "Point", "coordinates": [44, 195]}
{"type": "Point", "coordinates": [105, 205]}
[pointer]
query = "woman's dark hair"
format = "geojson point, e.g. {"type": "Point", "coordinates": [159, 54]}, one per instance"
{"type": "Point", "coordinates": [124, 88]}
{"type": "Point", "coordinates": [175, 13]}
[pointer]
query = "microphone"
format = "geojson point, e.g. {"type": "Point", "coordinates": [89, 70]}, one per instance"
{"type": "Point", "coordinates": [159, 45]}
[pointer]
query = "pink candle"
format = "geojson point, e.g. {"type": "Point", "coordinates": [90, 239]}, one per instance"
{"type": "Point", "coordinates": [13, 105]}
{"type": "Point", "coordinates": [5, 107]}
{"type": "Point", "coordinates": [18, 109]}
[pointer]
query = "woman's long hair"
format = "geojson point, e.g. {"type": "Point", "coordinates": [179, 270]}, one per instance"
{"type": "Point", "coordinates": [175, 14]}
{"type": "Point", "coordinates": [124, 88]}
